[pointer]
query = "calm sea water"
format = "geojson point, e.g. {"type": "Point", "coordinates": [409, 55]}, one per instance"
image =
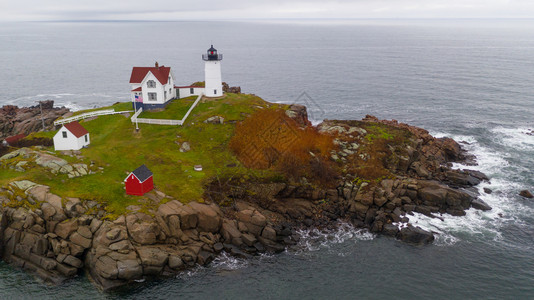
{"type": "Point", "coordinates": [471, 80]}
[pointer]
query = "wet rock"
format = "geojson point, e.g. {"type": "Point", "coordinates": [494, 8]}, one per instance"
{"type": "Point", "coordinates": [526, 194]}
{"type": "Point", "coordinates": [415, 235]}
{"type": "Point", "coordinates": [480, 204]}
{"type": "Point", "coordinates": [175, 262]}
{"type": "Point", "coordinates": [488, 190]}
{"type": "Point", "coordinates": [390, 230]}
{"type": "Point", "coordinates": [129, 269]}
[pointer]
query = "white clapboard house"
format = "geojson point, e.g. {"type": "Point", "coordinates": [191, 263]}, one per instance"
{"type": "Point", "coordinates": [152, 87]}
{"type": "Point", "coordinates": [71, 136]}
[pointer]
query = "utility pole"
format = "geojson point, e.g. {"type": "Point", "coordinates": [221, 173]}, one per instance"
{"type": "Point", "coordinates": [42, 118]}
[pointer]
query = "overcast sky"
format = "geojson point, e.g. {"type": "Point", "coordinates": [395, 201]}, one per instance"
{"type": "Point", "coordinates": [34, 10]}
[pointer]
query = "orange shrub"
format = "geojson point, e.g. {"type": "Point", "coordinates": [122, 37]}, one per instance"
{"type": "Point", "coordinates": [270, 139]}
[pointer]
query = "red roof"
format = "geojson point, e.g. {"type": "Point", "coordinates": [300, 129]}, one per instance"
{"type": "Point", "coordinates": [189, 86]}
{"type": "Point", "coordinates": [137, 89]}
{"type": "Point", "coordinates": [161, 73]}
{"type": "Point", "coordinates": [13, 139]}
{"type": "Point", "coordinates": [76, 129]}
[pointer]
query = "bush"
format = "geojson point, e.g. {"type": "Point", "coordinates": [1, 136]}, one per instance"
{"type": "Point", "coordinates": [269, 139]}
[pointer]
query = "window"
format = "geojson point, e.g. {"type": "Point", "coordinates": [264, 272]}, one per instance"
{"type": "Point", "coordinates": [151, 84]}
{"type": "Point", "coordinates": [152, 96]}
{"type": "Point", "coordinates": [192, 90]}
{"type": "Point", "coordinates": [64, 134]}
{"type": "Point", "coordinates": [169, 79]}
{"type": "Point", "coordinates": [164, 95]}
{"type": "Point", "coordinates": [215, 92]}
{"type": "Point", "coordinates": [86, 138]}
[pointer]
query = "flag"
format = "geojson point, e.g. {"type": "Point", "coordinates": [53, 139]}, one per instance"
{"type": "Point", "coordinates": [138, 99]}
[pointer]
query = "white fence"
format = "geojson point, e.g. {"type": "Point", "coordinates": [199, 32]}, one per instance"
{"type": "Point", "coordinates": [89, 115]}
{"type": "Point", "coordinates": [135, 118]}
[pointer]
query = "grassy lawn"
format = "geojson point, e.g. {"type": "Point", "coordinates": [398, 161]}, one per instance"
{"type": "Point", "coordinates": [120, 106]}
{"type": "Point", "coordinates": [119, 149]}
{"type": "Point", "coordinates": [176, 110]}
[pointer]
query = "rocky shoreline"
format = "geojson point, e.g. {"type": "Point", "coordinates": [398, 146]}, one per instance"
{"type": "Point", "coordinates": [16, 120]}
{"type": "Point", "coordinates": [57, 238]}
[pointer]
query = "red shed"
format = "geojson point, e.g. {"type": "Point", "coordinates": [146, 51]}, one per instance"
{"type": "Point", "coordinates": [139, 182]}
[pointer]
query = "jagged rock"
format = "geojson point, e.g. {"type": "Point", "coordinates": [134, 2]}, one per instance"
{"type": "Point", "coordinates": [298, 113]}
{"type": "Point", "coordinates": [215, 120]}
{"type": "Point", "coordinates": [415, 235]}
{"type": "Point", "coordinates": [66, 228]}
{"type": "Point", "coordinates": [269, 233]}
{"type": "Point", "coordinates": [209, 218]}
{"type": "Point", "coordinates": [188, 217]}
{"type": "Point", "coordinates": [129, 269]}
{"type": "Point", "coordinates": [142, 228]}
{"type": "Point", "coordinates": [526, 194]}
{"type": "Point", "coordinates": [152, 257]}
{"type": "Point", "coordinates": [480, 204]}
{"type": "Point", "coordinates": [106, 267]}
{"type": "Point", "coordinates": [73, 261]}
{"type": "Point", "coordinates": [185, 147]}
{"type": "Point", "coordinates": [23, 185]}
{"type": "Point", "coordinates": [170, 208]}
{"type": "Point", "coordinates": [204, 258]}
{"type": "Point", "coordinates": [231, 234]}
{"type": "Point", "coordinates": [390, 230]}
{"type": "Point", "coordinates": [175, 262]}
{"type": "Point", "coordinates": [78, 239]}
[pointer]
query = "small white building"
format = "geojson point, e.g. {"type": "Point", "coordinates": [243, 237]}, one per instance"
{"type": "Point", "coordinates": [212, 73]}
{"type": "Point", "coordinates": [187, 91]}
{"type": "Point", "coordinates": [71, 136]}
{"type": "Point", "coordinates": [152, 87]}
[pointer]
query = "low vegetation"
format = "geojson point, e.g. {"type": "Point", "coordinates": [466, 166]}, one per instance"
{"type": "Point", "coordinates": [117, 148]}
{"type": "Point", "coordinates": [269, 139]}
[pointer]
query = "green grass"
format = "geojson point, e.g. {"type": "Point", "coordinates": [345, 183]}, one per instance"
{"type": "Point", "coordinates": [119, 106]}
{"type": "Point", "coordinates": [176, 110]}
{"type": "Point", "coordinates": [119, 149]}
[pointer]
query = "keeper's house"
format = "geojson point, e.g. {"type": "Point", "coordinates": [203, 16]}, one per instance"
{"type": "Point", "coordinates": [71, 136]}
{"type": "Point", "coordinates": [152, 87]}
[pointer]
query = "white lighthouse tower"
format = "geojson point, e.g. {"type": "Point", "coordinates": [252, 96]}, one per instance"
{"type": "Point", "coordinates": [212, 71]}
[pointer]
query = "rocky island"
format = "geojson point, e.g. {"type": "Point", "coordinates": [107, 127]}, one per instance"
{"type": "Point", "coordinates": [266, 173]}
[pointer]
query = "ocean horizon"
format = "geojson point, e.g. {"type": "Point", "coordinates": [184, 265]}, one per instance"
{"type": "Point", "coordinates": [468, 79]}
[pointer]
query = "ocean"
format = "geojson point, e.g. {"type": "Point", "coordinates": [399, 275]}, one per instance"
{"type": "Point", "coordinates": [471, 80]}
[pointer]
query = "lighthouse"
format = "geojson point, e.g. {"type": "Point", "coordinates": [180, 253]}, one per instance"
{"type": "Point", "coordinates": [212, 72]}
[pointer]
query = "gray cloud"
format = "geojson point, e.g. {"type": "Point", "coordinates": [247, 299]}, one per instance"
{"type": "Point", "coordinates": [230, 9]}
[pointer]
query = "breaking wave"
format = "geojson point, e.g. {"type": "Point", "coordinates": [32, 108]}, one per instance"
{"type": "Point", "coordinates": [497, 162]}
{"type": "Point", "coordinates": [317, 239]}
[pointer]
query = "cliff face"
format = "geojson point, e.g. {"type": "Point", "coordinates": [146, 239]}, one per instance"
{"type": "Point", "coordinates": [57, 238]}
{"type": "Point", "coordinates": [15, 120]}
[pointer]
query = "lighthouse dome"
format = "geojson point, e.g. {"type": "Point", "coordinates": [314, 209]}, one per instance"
{"type": "Point", "coordinates": [212, 54]}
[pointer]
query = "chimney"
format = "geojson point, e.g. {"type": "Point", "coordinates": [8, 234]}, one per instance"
{"type": "Point", "coordinates": [157, 65]}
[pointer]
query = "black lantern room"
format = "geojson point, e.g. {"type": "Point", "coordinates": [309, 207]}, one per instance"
{"type": "Point", "coordinates": [212, 54]}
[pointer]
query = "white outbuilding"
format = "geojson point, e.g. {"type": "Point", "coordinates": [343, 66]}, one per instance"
{"type": "Point", "coordinates": [71, 136]}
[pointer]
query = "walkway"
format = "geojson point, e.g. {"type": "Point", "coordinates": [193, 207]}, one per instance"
{"type": "Point", "coordinates": [89, 115]}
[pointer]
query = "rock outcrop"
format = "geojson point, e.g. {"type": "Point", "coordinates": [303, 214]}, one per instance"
{"type": "Point", "coordinates": [526, 194]}
{"type": "Point", "coordinates": [56, 238]}
{"type": "Point", "coordinates": [15, 120]}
